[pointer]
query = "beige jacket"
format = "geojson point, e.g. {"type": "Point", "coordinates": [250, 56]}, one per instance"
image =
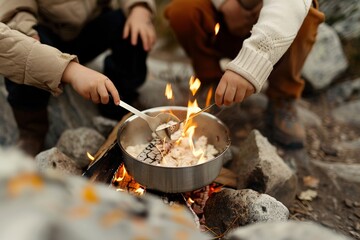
{"type": "Point", "coordinates": [64, 17]}
{"type": "Point", "coordinates": [26, 61]}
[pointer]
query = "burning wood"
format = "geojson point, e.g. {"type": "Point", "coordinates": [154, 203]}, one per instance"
{"type": "Point", "coordinates": [122, 181]}
{"type": "Point", "coordinates": [152, 153]}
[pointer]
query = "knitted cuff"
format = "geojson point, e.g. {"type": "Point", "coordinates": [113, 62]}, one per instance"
{"type": "Point", "coordinates": [252, 66]}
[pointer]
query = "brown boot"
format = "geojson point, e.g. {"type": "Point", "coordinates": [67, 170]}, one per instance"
{"type": "Point", "coordinates": [284, 124]}
{"type": "Point", "coordinates": [33, 127]}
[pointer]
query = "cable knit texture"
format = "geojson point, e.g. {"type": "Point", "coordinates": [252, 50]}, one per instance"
{"type": "Point", "coordinates": [271, 36]}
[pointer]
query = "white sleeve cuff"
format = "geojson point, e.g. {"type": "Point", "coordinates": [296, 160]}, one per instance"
{"type": "Point", "coordinates": [253, 66]}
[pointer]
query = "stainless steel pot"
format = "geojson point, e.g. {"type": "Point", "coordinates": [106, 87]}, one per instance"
{"type": "Point", "coordinates": [174, 179]}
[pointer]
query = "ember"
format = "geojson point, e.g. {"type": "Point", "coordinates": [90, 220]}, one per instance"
{"type": "Point", "coordinates": [122, 181]}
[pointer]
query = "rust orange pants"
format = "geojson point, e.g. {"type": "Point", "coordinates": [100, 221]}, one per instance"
{"type": "Point", "coordinates": [193, 23]}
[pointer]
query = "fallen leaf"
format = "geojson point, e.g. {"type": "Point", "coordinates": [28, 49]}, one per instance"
{"type": "Point", "coordinates": [308, 195]}
{"type": "Point", "coordinates": [311, 182]}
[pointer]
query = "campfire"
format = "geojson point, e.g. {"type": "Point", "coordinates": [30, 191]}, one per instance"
{"type": "Point", "coordinates": [171, 162]}
{"type": "Point", "coordinates": [166, 160]}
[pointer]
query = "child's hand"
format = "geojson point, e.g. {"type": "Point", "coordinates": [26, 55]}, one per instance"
{"type": "Point", "coordinates": [139, 23]}
{"type": "Point", "coordinates": [232, 88]}
{"type": "Point", "coordinates": [90, 84]}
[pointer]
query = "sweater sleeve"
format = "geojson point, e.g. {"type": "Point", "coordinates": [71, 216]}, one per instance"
{"type": "Point", "coordinates": [27, 61]}
{"type": "Point", "coordinates": [276, 29]}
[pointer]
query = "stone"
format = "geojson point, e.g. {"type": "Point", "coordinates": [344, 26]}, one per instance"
{"type": "Point", "coordinates": [104, 125]}
{"type": "Point", "coordinates": [322, 66]}
{"type": "Point", "coordinates": [68, 111]}
{"type": "Point", "coordinates": [343, 92]}
{"type": "Point", "coordinates": [290, 230]}
{"type": "Point", "coordinates": [348, 113]}
{"type": "Point", "coordinates": [8, 127]}
{"type": "Point", "coordinates": [344, 16]}
{"type": "Point", "coordinates": [348, 172]}
{"type": "Point", "coordinates": [260, 168]}
{"type": "Point", "coordinates": [53, 159]}
{"type": "Point", "coordinates": [41, 206]}
{"type": "Point", "coordinates": [308, 118]}
{"type": "Point", "coordinates": [76, 143]}
{"type": "Point", "coordinates": [229, 209]}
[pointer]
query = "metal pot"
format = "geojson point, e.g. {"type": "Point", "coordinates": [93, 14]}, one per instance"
{"type": "Point", "coordinates": [173, 179]}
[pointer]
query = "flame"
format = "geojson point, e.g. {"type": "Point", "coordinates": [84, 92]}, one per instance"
{"type": "Point", "coordinates": [192, 108]}
{"type": "Point", "coordinates": [194, 85]}
{"type": "Point", "coordinates": [189, 126]}
{"type": "Point", "coordinates": [169, 92]}
{"type": "Point", "coordinates": [122, 173]}
{"type": "Point", "coordinates": [124, 182]}
{"type": "Point", "coordinates": [214, 188]}
{"type": "Point", "coordinates": [190, 201]}
{"type": "Point", "coordinates": [90, 156]}
{"type": "Point", "coordinates": [198, 153]}
{"type": "Point", "coordinates": [217, 28]}
{"type": "Point", "coordinates": [209, 96]}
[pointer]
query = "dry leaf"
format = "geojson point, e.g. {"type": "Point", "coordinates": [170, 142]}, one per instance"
{"type": "Point", "coordinates": [308, 195]}
{"type": "Point", "coordinates": [311, 182]}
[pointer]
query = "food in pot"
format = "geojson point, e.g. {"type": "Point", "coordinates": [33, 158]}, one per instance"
{"type": "Point", "coordinates": [180, 153]}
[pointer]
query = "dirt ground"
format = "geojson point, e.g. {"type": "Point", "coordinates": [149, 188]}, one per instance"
{"type": "Point", "coordinates": [337, 204]}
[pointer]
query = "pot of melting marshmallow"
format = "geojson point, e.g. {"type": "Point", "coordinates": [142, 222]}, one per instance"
{"type": "Point", "coordinates": [190, 160]}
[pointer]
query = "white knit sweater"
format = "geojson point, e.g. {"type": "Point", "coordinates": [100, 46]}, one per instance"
{"type": "Point", "coordinates": [277, 27]}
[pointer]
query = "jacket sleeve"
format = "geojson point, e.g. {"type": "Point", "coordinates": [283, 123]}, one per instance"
{"type": "Point", "coordinates": [26, 61]}
{"type": "Point", "coordinates": [20, 15]}
{"type": "Point", "coordinates": [127, 4]}
{"type": "Point", "coordinates": [276, 29]}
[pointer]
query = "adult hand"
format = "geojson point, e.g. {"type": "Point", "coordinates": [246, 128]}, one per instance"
{"type": "Point", "coordinates": [139, 23]}
{"type": "Point", "coordinates": [239, 20]}
{"type": "Point", "coordinates": [90, 84]}
{"type": "Point", "coordinates": [232, 88]}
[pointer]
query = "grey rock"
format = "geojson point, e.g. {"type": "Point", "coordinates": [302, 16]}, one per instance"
{"type": "Point", "coordinates": [76, 143]}
{"type": "Point", "coordinates": [8, 127]}
{"type": "Point", "coordinates": [308, 118]}
{"type": "Point", "coordinates": [349, 146]}
{"type": "Point", "coordinates": [104, 125]}
{"type": "Point", "coordinates": [290, 230]}
{"type": "Point", "coordinates": [55, 207]}
{"type": "Point", "coordinates": [348, 113]}
{"type": "Point", "coordinates": [260, 168]}
{"type": "Point", "coordinates": [342, 92]}
{"type": "Point", "coordinates": [343, 16]}
{"type": "Point", "coordinates": [13, 161]}
{"type": "Point", "coordinates": [323, 66]}
{"type": "Point", "coordinates": [348, 172]}
{"type": "Point", "coordinates": [68, 111]}
{"type": "Point", "coordinates": [53, 159]}
{"type": "Point", "coordinates": [229, 209]}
